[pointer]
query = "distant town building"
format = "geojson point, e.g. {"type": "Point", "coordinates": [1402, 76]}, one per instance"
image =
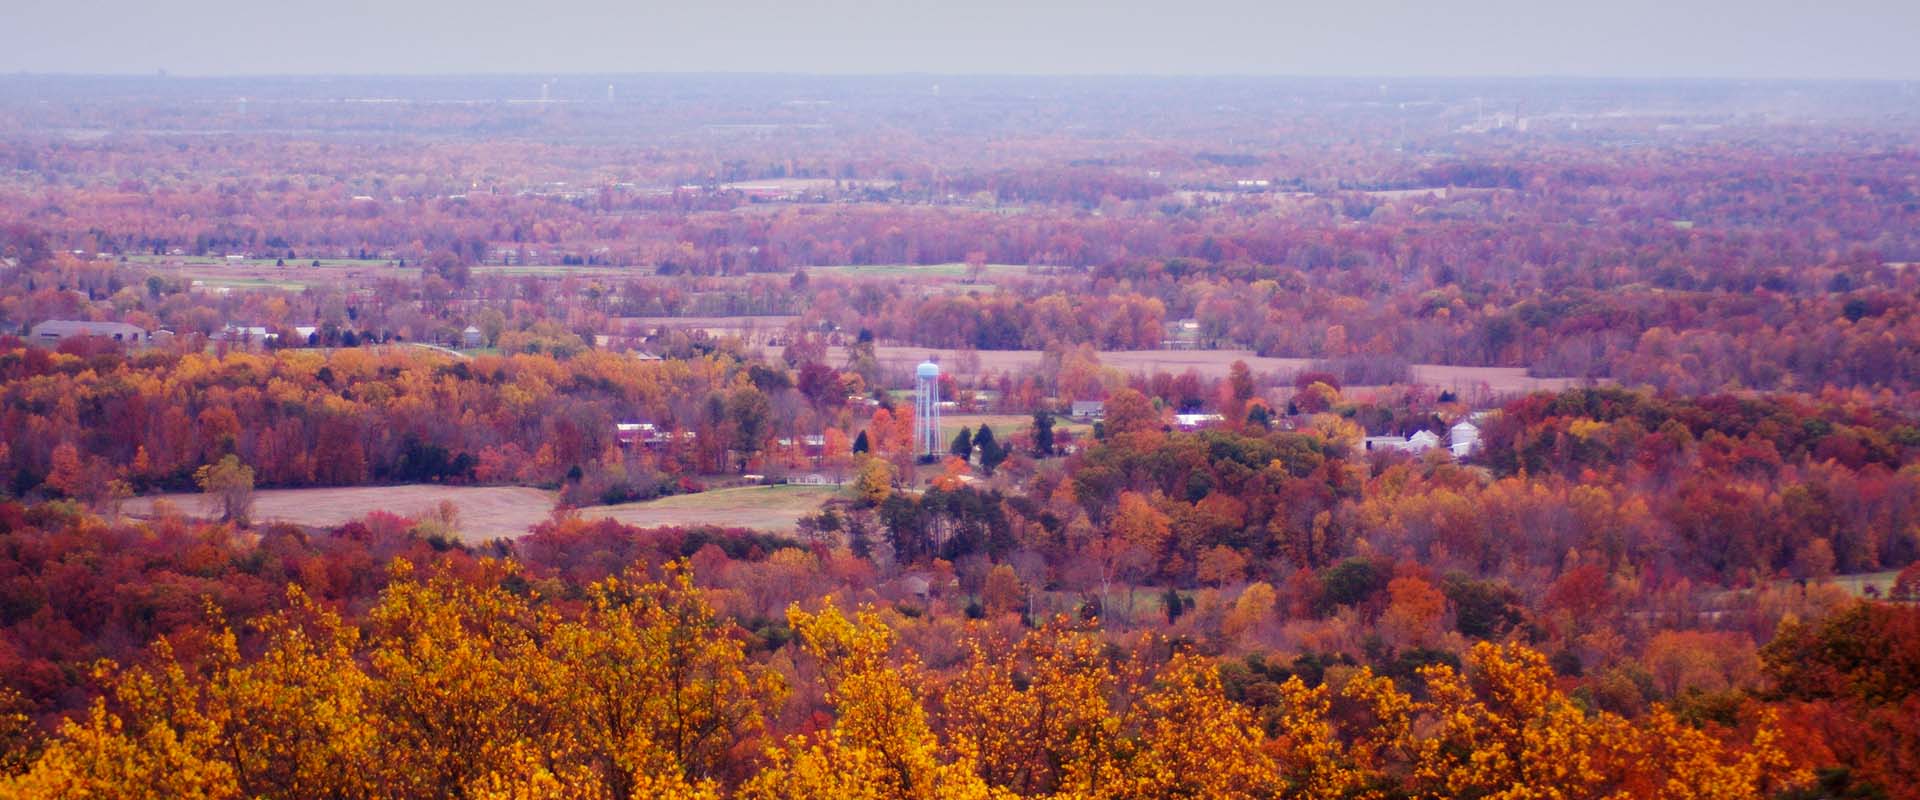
{"type": "Point", "coordinates": [1088, 409]}
{"type": "Point", "coordinates": [54, 331]}
{"type": "Point", "coordinates": [472, 338]}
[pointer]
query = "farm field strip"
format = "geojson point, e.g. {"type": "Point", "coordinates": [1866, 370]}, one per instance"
{"type": "Point", "coordinates": [1209, 363]}
{"type": "Point", "coordinates": [485, 512]}
{"type": "Point", "coordinates": [493, 512]}
{"type": "Point", "coordinates": [768, 508]}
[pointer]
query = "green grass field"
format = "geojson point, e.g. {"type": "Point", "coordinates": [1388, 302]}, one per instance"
{"type": "Point", "coordinates": [1003, 425]}
{"type": "Point", "coordinates": [769, 508]}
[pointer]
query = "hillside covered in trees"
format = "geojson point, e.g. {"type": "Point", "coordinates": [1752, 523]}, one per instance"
{"type": "Point", "coordinates": [1302, 438]}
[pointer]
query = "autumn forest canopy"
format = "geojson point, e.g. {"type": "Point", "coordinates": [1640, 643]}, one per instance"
{"type": "Point", "coordinates": [511, 438]}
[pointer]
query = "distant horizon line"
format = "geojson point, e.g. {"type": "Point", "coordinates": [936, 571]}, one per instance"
{"type": "Point", "coordinates": [555, 75]}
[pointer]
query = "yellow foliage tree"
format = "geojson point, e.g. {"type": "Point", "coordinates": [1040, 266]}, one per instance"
{"type": "Point", "coordinates": [874, 482]}
{"type": "Point", "coordinates": [460, 689]}
{"type": "Point", "coordinates": [1002, 592]}
{"type": "Point", "coordinates": [880, 745]}
{"type": "Point", "coordinates": [1192, 741]}
{"type": "Point", "coordinates": [1054, 733]}
{"type": "Point", "coordinates": [1253, 609]}
{"type": "Point", "coordinates": [229, 488]}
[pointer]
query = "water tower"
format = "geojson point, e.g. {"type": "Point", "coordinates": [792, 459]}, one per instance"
{"type": "Point", "coordinates": [926, 409]}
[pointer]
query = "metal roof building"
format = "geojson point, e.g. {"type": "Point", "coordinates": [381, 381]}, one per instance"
{"type": "Point", "coordinates": [54, 331]}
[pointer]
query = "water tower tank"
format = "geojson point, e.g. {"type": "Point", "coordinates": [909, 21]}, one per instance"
{"type": "Point", "coordinates": [926, 409]}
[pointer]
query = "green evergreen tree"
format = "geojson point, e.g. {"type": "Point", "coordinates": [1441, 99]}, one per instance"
{"type": "Point", "coordinates": [962, 445]}
{"type": "Point", "coordinates": [991, 453]}
{"type": "Point", "coordinates": [1042, 434]}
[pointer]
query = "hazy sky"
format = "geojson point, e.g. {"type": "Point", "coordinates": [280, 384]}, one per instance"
{"type": "Point", "coordinates": [1631, 38]}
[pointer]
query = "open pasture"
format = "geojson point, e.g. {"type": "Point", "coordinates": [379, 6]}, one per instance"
{"type": "Point", "coordinates": [215, 273]}
{"type": "Point", "coordinates": [1003, 425]}
{"type": "Point", "coordinates": [1858, 584]}
{"type": "Point", "coordinates": [1498, 380]}
{"type": "Point", "coordinates": [1006, 426]}
{"type": "Point", "coordinates": [937, 273]}
{"type": "Point", "coordinates": [971, 363]}
{"type": "Point", "coordinates": [768, 508]}
{"type": "Point", "coordinates": [493, 512]}
{"type": "Point", "coordinates": [1210, 363]}
{"type": "Point", "coordinates": [717, 326]}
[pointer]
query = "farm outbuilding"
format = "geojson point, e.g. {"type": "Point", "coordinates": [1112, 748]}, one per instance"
{"type": "Point", "coordinates": [1419, 442]}
{"type": "Point", "coordinates": [1464, 438]}
{"type": "Point", "coordinates": [54, 331]}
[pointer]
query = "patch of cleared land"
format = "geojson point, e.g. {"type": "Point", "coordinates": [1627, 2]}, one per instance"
{"type": "Point", "coordinates": [493, 512]}
{"type": "Point", "coordinates": [718, 326]}
{"type": "Point", "coordinates": [1210, 363]}
{"type": "Point", "coordinates": [946, 272]}
{"type": "Point", "coordinates": [213, 274]}
{"type": "Point", "coordinates": [485, 512]}
{"type": "Point", "coordinates": [1006, 425]}
{"type": "Point", "coordinates": [1003, 425]}
{"type": "Point", "coordinates": [1857, 584]}
{"type": "Point", "coordinates": [968, 363]}
{"type": "Point", "coordinates": [558, 271]}
{"type": "Point", "coordinates": [768, 508]}
{"type": "Point", "coordinates": [1499, 380]}
{"type": "Point", "coordinates": [808, 184]}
